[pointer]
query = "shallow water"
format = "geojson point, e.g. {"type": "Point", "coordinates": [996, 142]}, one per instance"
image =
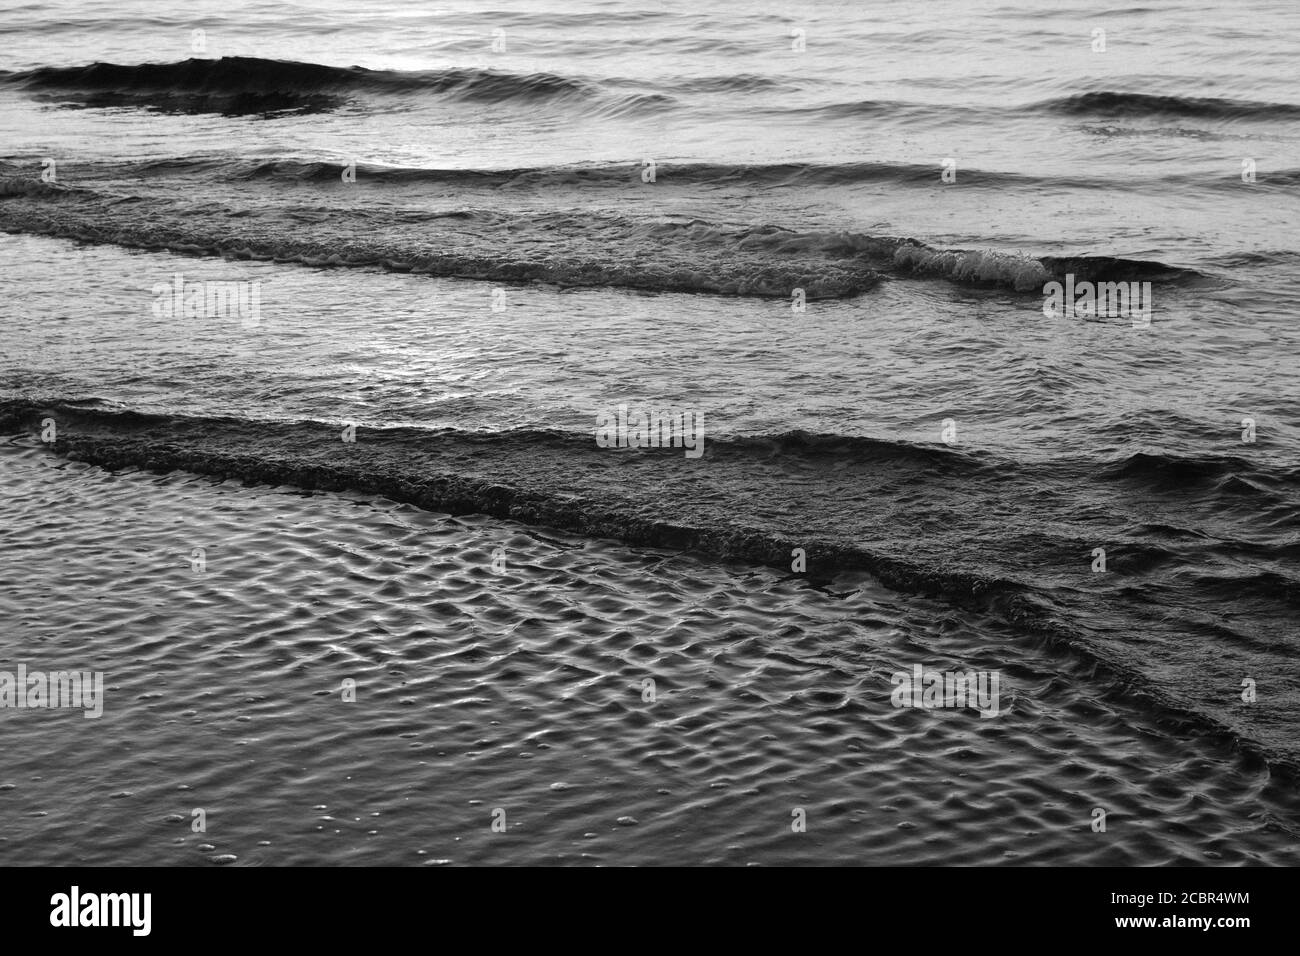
{"type": "Point", "coordinates": [524, 691]}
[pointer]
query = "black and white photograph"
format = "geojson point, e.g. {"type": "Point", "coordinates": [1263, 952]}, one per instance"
{"type": "Point", "coordinates": [650, 434]}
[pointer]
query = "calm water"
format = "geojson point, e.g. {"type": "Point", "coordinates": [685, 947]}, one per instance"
{"type": "Point", "coordinates": [557, 210]}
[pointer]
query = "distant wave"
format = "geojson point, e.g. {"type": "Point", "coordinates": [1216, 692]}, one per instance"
{"type": "Point", "coordinates": [248, 85]}
{"type": "Point", "coordinates": [1105, 104]}
{"type": "Point", "coordinates": [246, 74]}
{"type": "Point", "coordinates": [1118, 104]}
{"type": "Point", "coordinates": [240, 74]}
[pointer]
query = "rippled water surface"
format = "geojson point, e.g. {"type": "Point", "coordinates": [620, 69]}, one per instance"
{"type": "Point", "coordinates": [524, 692]}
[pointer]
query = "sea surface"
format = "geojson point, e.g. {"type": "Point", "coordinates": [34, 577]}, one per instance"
{"type": "Point", "coordinates": [825, 229]}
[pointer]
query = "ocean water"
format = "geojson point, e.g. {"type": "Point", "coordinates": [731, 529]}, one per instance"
{"type": "Point", "coordinates": [826, 229]}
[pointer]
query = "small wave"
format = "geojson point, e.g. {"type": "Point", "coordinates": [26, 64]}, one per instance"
{"type": "Point", "coordinates": [1115, 104]}
{"type": "Point", "coordinates": [1263, 257]}
{"type": "Point", "coordinates": [1107, 104]}
{"type": "Point", "coordinates": [1266, 585]}
{"type": "Point", "coordinates": [667, 174]}
{"type": "Point", "coordinates": [863, 109]}
{"type": "Point", "coordinates": [29, 186]}
{"type": "Point", "coordinates": [241, 85]}
{"type": "Point", "coordinates": [1119, 269]}
{"type": "Point", "coordinates": [857, 448]}
{"type": "Point", "coordinates": [244, 74]}
{"type": "Point", "coordinates": [1227, 473]}
{"type": "Point", "coordinates": [737, 83]}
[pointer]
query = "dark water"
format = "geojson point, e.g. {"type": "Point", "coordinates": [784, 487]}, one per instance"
{"type": "Point", "coordinates": [505, 266]}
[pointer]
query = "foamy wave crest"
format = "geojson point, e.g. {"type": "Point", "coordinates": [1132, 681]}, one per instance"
{"type": "Point", "coordinates": [993, 268]}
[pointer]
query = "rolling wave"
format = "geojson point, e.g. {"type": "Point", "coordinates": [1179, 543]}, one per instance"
{"type": "Point", "coordinates": [615, 175]}
{"type": "Point", "coordinates": [570, 484]}
{"type": "Point", "coordinates": [423, 466]}
{"type": "Point", "coordinates": [244, 74]}
{"type": "Point", "coordinates": [624, 175]}
{"type": "Point", "coordinates": [562, 248]}
{"type": "Point", "coordinates": [249, 85]}
{"type": "Point", "coordinates": [668, 175]}
{"type": "Point", "coordinates": [1187, 470]}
